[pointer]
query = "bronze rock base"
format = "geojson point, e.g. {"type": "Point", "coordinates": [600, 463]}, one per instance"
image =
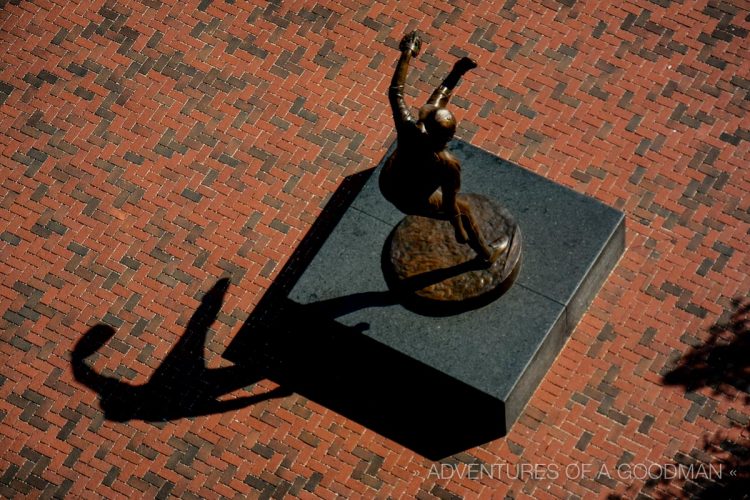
{"type": "Point", "coordinates": [425, 264]}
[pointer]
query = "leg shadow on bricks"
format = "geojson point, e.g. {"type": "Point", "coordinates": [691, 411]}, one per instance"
{"type": "Point", "coordinates": [181, 386]}
{"type": "Point", "coordinates": [304, 349]}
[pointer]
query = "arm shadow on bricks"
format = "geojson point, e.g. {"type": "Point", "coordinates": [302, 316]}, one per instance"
{"type": "Point", "coordinates": [182, 386]}
{"type": "Point", "coordinates": [720, 467]}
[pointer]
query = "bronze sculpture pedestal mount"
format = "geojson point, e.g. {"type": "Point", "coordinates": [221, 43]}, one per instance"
{"type": "Point", "coordinates": [426, 265]}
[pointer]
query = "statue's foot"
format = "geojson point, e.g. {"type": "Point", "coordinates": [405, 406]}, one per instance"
{"type": "Point", "coordinates": [465, 64]}
{"type": "Point", "coordinates": [497, 248]}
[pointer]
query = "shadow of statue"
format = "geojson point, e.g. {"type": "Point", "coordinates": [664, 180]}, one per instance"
{"type": "Point", "coordinates": [322, 360]}
{"type": "Point", "coordinates": [182, 385]}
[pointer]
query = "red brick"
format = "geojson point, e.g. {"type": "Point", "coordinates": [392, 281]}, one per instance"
{"type": "Point", "coordinates": [591, 135]}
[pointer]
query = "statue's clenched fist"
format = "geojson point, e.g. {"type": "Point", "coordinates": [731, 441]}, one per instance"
{"type": "Point", "coordinates": [411, 43]}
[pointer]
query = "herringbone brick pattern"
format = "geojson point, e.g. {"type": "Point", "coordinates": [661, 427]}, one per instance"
{"type": "Point", "coordinates": [150, 148]}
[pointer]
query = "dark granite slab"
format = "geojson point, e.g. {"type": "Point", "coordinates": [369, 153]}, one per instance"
{"type": "Point", "coordinates": [442, 384]}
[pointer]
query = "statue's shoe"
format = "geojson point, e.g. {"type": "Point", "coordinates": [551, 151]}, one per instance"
{"type": "Point", "coordinates": [499, 247]}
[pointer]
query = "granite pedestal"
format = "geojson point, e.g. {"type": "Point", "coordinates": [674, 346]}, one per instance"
{"type": "Point", "coordinates": [443, 383]}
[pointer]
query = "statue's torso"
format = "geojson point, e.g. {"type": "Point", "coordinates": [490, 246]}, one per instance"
{"type": "Point", "coordinates": [413, 173]}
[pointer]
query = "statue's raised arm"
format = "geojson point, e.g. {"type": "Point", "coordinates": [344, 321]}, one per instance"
{"type": "Point", "coordinates": [409, 46]}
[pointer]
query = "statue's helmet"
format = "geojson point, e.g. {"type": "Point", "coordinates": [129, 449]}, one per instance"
{"type": "Point", "coordinates": [438, 123]}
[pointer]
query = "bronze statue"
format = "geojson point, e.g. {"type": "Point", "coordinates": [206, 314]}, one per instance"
{"type": "Point", "coordinates": [421, 177]}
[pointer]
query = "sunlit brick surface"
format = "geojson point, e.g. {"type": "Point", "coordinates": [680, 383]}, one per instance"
{"type": "Point", "coordinates": [150, 148]}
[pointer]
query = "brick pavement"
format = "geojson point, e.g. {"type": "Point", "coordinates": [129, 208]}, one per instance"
{"type": "Point", "coordinates": [152, 147]}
